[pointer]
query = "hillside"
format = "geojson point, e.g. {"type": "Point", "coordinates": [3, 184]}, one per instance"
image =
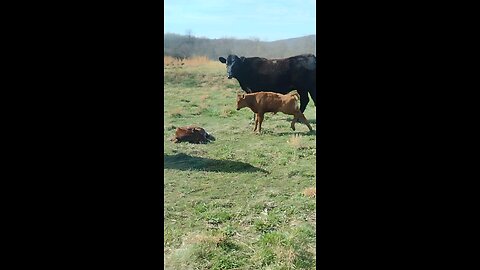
{"type": "Point", "coordinates": [186, 46]}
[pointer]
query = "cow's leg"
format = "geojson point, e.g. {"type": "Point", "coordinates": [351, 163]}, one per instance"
{"type": "Point", "coordinates": [305, 121]}
{"type": "Point", "coordinates": [256, 123]}
{"type": "Point", "coordinates": [303, 100]}
{"type": "Point", "coordinates": [260, 120]}
{"type": "Point", "coordinates": [313, 93]}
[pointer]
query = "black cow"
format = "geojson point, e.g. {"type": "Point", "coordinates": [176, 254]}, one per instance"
{"type": "Point", "coordinates": [257, 74]}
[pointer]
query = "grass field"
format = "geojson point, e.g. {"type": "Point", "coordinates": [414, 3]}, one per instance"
{"type": "Point", "coordinates": [244, 201]}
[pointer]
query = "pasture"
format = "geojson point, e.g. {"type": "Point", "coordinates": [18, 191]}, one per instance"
{"type": "Point", "coordinates": [244, 201]}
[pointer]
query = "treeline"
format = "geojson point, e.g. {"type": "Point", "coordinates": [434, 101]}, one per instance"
{"type": "Point", "coordinates": [183, 46]}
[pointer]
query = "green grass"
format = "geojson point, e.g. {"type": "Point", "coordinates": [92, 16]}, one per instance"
{"type": "Point", "coordinates": [238, 202]}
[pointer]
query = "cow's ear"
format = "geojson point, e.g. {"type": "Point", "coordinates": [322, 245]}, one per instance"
{"type": "Point", "coordinates": [223, 60]}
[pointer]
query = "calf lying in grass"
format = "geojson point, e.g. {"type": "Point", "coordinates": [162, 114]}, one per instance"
{"type": "Point", "coordinates": [192, 134]}
{"type": "Point", "coordinates": [262, 102]}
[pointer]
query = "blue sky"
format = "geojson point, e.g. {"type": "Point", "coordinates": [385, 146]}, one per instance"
{"type": "Point", "coordinates": [267, 20]}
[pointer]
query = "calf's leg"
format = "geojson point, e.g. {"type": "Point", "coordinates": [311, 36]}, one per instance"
{"type": "Point", "coordinates": [303, 119]}
{"type": "Point", "coordinates": [256, 123]}
{"type": "Point", "coordinates": [260, 120]}
{"type": "Point", "coordinates": [314, 97]}
{"type": "Point", "coordinates": [313, 93]}
{"type": "Point", "coordinates": [292, 125]}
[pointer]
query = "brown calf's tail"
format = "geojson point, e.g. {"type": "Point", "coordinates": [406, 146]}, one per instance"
{"type": "Point", "coordinates": [296, 96]}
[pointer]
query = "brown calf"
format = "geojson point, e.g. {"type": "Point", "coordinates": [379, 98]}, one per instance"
{"type": "Point", "coordinates": [262, 102]}
{"type": "Point", "coordinates": [192, 134]}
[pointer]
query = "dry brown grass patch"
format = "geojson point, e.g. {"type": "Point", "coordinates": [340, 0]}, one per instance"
{"type": "Point", "coordinates": [203, 98]}
{"type": "Point", "coordinates": [296, 141]}
{"type": "Point", "coordinates": [196, 61]}
{"type": "Point", "coordinates": [310, 192]}
{"type": "Point", "coordinates": [168, 61]}
{"type": "Point", "coordinates": [288, 254]}
{"type": "Point", "coordinates": [191, 61]}
{"type": "Point", "coordinates": [208, 239]}
{"type": "Point", "coordinates": [178, 111]}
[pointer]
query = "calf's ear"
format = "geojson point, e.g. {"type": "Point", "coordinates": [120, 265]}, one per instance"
{"type": "Point", "coordinates": [223, 60]}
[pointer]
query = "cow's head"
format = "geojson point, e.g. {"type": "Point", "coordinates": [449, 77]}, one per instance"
{"type": "Point", "coordinates": [234, 64]}
{"type": "Point", "coordinates": [241, 102]}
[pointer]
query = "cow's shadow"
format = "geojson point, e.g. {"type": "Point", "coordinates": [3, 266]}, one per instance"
{"type": "Point", "coordinates": [303, 133]}
{"type": "Point", "coordinates": [186, 162]}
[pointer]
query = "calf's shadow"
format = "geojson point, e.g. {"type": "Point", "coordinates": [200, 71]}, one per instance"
{"type": "Point", "coordinates": [186, 162]}
{"type": "Point", "coordinates": [311, 121]}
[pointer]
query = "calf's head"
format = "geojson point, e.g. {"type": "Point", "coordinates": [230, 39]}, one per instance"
{"type": "Point", "coordinates": [234, 64]}
{"type": "Point", "coordinates": [241, 101]}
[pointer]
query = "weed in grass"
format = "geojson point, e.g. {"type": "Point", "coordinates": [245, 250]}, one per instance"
{"type": "Point", "coordinates": [230, 230]}
{"type": "Point", "coordinates": [263, 226]}
{"type": "Point", "coordinates": [211, 111]}
{"type": "Point", "coordinates": [293, 173]}
{"type": "Point", "coordinates": [200, 208]}
{"type": "Point", "coordinates": [227, 261]}
{"type": "Point", "coordinates": [273, 239]}
{"type": "Point", "coordinates": [268, 224]}
{"type": "Point", "coordinates": [216, 218]}
{"type": "Point", "coordinates": [309, 207]}
{"type": "Point", "coordinates": [304, 260]}
{"type": "Point", "coordinates": [267, 256]}
{"type": "Point", "coordinates": [227, 111]}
